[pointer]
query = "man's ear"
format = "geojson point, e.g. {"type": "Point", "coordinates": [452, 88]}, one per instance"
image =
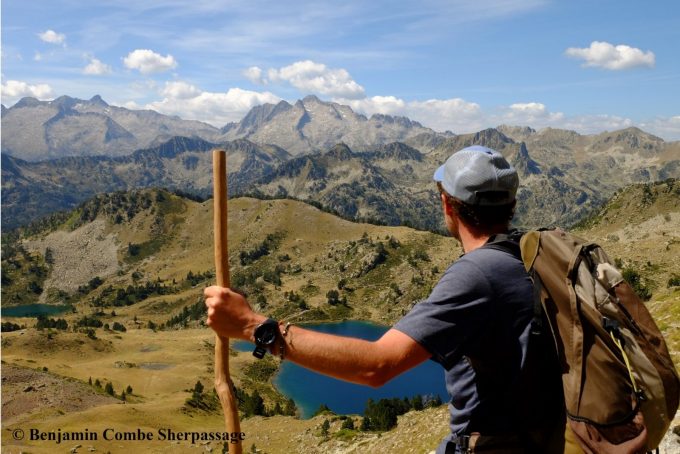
{"type": "Point", "coordinates": [447, 207]}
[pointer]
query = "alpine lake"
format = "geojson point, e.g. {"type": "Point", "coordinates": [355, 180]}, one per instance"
{"type": "Point", "coordinates": [310, 390]}
{"type": "Point", "coordinates": [35, 310]}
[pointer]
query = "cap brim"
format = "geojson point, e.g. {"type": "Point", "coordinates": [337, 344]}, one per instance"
{"type": "Point", "coordinates": [439, 174]}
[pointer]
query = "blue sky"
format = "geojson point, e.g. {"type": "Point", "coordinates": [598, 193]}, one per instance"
{"type": "Point", "coordinates": [458, 65]}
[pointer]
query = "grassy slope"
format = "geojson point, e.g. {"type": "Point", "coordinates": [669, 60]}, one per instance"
{"type": "Point", "coordinates": [641, 227]}
{"type": "Point", "coordinates": [318, 245]}
{"type": "Point", "coordinates": [635, 227]}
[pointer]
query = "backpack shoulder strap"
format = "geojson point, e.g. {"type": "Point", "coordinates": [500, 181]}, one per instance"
{"type": "Point", "coordinates": [506, 242]}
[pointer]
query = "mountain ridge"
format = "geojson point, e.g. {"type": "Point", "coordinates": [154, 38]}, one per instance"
{"type": "Point", "coordinates": [390, 183]}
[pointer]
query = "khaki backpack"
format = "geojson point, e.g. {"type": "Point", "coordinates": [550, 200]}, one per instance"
{"type": "Point", "coordinates": [620, 386]}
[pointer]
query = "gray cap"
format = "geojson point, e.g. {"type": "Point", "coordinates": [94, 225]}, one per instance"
{"type": "Point", "coordinates": [478, 175]}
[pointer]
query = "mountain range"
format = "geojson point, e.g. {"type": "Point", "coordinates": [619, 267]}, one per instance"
{"type": "Point", "coordinates": [36, 130]}
{"type": "Point", "coordinates": [376, 169]}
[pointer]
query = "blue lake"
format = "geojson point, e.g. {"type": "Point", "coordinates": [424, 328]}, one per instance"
{"type": "Point", "coordinates": [309, 390]}
{"type": "Point", "coordinates": [33, 310]}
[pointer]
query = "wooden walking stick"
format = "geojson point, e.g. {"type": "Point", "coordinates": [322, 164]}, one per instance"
{"type": "Point", "coordinates": [223, 383]}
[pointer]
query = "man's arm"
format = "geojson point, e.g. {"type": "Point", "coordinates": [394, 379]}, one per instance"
{"type": "Point", "coordinates": [346, 358]}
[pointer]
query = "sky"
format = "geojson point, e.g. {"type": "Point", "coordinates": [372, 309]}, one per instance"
{"type": "Point", "coordinates": [456, 65]}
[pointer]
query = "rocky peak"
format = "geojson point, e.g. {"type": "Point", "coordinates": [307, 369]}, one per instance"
{"type": "Point", "coordinates": [523, 162]}
{"type": "Point", "coordinates": [340, 152]}
{"type": "Point", "coordinates": [97, 100]}
{"type": "Point", "coordinates": [259, 115]}
{"type": "Point", "coordinates": [27, 102]}
{"type": "Point", "coordinates": [64, 102]}
{"type": "Point", "coordinates": [401, 121]}
{"type": "Point", "coordinates": [399, 151]}
{"type": "Point", "coordinates": [517, 133]}
{"type": "Point", "coordinates": [312, 99]}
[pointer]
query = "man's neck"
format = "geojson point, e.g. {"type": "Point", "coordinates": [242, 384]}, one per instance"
{"type": "Point", "coordinates": [471, 239]}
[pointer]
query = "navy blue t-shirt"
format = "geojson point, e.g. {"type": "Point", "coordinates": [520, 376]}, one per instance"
{"type": "Point", "coordinates": [476, 323]}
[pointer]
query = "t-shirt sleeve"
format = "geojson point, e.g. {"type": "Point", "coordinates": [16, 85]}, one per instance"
{"type": "Point", "coordinates": [453, 315]}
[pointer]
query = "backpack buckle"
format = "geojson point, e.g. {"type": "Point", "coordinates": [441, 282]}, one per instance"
{"type": "Point", "coordinates": [463, 443]}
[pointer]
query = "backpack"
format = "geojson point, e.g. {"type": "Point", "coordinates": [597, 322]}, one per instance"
{"type": "Point", "coordinates": [621, 388]}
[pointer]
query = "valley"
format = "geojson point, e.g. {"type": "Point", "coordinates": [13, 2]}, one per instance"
{"type": "Point", "coordinates": [137, 261]}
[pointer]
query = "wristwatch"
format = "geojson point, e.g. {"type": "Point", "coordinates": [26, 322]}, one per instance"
{"type": "Point", "coordinates": [265, 335]}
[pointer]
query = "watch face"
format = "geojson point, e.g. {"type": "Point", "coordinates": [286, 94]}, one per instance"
{"type": "Point", "coordinates": [265, 334]}
{"type": "Point", "coordinates": [268, 337]}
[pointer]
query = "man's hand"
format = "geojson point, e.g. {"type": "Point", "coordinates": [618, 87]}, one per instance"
{"type": "Point", "coordinates": [229, 314]}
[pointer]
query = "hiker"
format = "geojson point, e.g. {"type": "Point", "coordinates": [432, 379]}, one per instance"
{"type": "Point", "coordinates": [504, 382]}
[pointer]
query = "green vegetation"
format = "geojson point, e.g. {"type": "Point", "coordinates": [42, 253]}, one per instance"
{"type": "Point", "coordinates": [253, 405]}
{"type": "Point", "coordinates": [91, 322]}
{"type": "Point", "coordinates": [118, 327]}
{"type": "Point", "coordinates": [44, 322]}
{"type": "Point", "coordinates": [9, 326]}
{"type": "Point", "coordinates": [202, 401]}
{"type": "Point", "coordinates": [382, 415]}
{"type": "Point", "coordinates": [132, 294]}
{"type": "Point", "coordinates": [325, 426]}
{"type": "Point", "coordinates": [23, 273]}
{"type": "Point", "coordinates": [195, 311]}
{"type": "Point", "coordinates": [270, 244]}
{"type": "Point", "coordinates": [635, 280]}
{"type": "Point", "coordinates": [93, 284]}
{"type": "Point", "coordinates": [323, 410]}
{"type": "Point", "coordinates": [263, 370]}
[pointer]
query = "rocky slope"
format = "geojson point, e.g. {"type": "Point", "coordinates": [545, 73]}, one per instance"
{"type": "Point", "coordinates": [35, 130]}
{"type": "Point", "coordinates": [34, 189]}
{"type": "Point", "coordinates": [563, 176]}
{"type": "Point", "coordinates": [39, 130]}
{"type": "Point", "coordinates": [311, 125]}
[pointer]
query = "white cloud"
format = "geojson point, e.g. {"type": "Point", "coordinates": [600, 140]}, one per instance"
{"type": "Point", "coordinates": [532, 108]}
{"type": "Point", "coordinates": [13, 90]}
{"type": "Point", "coordinates": [604, 55]}
{"type": "Point", "coordinates": [534, 114]}
{"type": "Point", "coordinates": [454, 114]}
{"type": "Point", "coordinates": [308, 76]}
{"type": "Point", "coordinates": [387, 105]}
{"type": "Point", "coordinates": [180, 90]}
{"type": "Point", "coordinates": [594, 124]}
{"type": "Point", "coordinates": [218, 109]}
{"type": "Point", "coordinates": [97, 68]}
{"type": "Point", "coordinates": [254, 74]}
{"type": "Point", "coordinates": [147, 61]}
{"type": "Point", "coordinates": [538, 116]}
{"type": "Point", "coordinates": [37, 57]}
{"type": "Point", "coordinates": [52, 37]}
{"type": "Point", "coordinates": [667, 128]}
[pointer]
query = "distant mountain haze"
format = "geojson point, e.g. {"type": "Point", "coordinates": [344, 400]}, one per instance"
{"type": "Point", "coordinates": [376, 169]}
{"type": "Point", "coordinates": [37, 130]}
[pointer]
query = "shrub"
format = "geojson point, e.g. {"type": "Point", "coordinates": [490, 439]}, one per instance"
{"type": "Point", "coordinates": [674, 281]}
{"type": "Point", "coordinates": [634, 279]}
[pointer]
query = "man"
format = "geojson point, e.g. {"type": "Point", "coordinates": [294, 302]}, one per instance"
{"type": "Point", "coordinates": [477, 323]}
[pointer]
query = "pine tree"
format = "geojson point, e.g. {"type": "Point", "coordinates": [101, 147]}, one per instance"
{"type": "Point", "coordinates": [325, 427]}
{"type": "Point", "coordinates": [365, 424]}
